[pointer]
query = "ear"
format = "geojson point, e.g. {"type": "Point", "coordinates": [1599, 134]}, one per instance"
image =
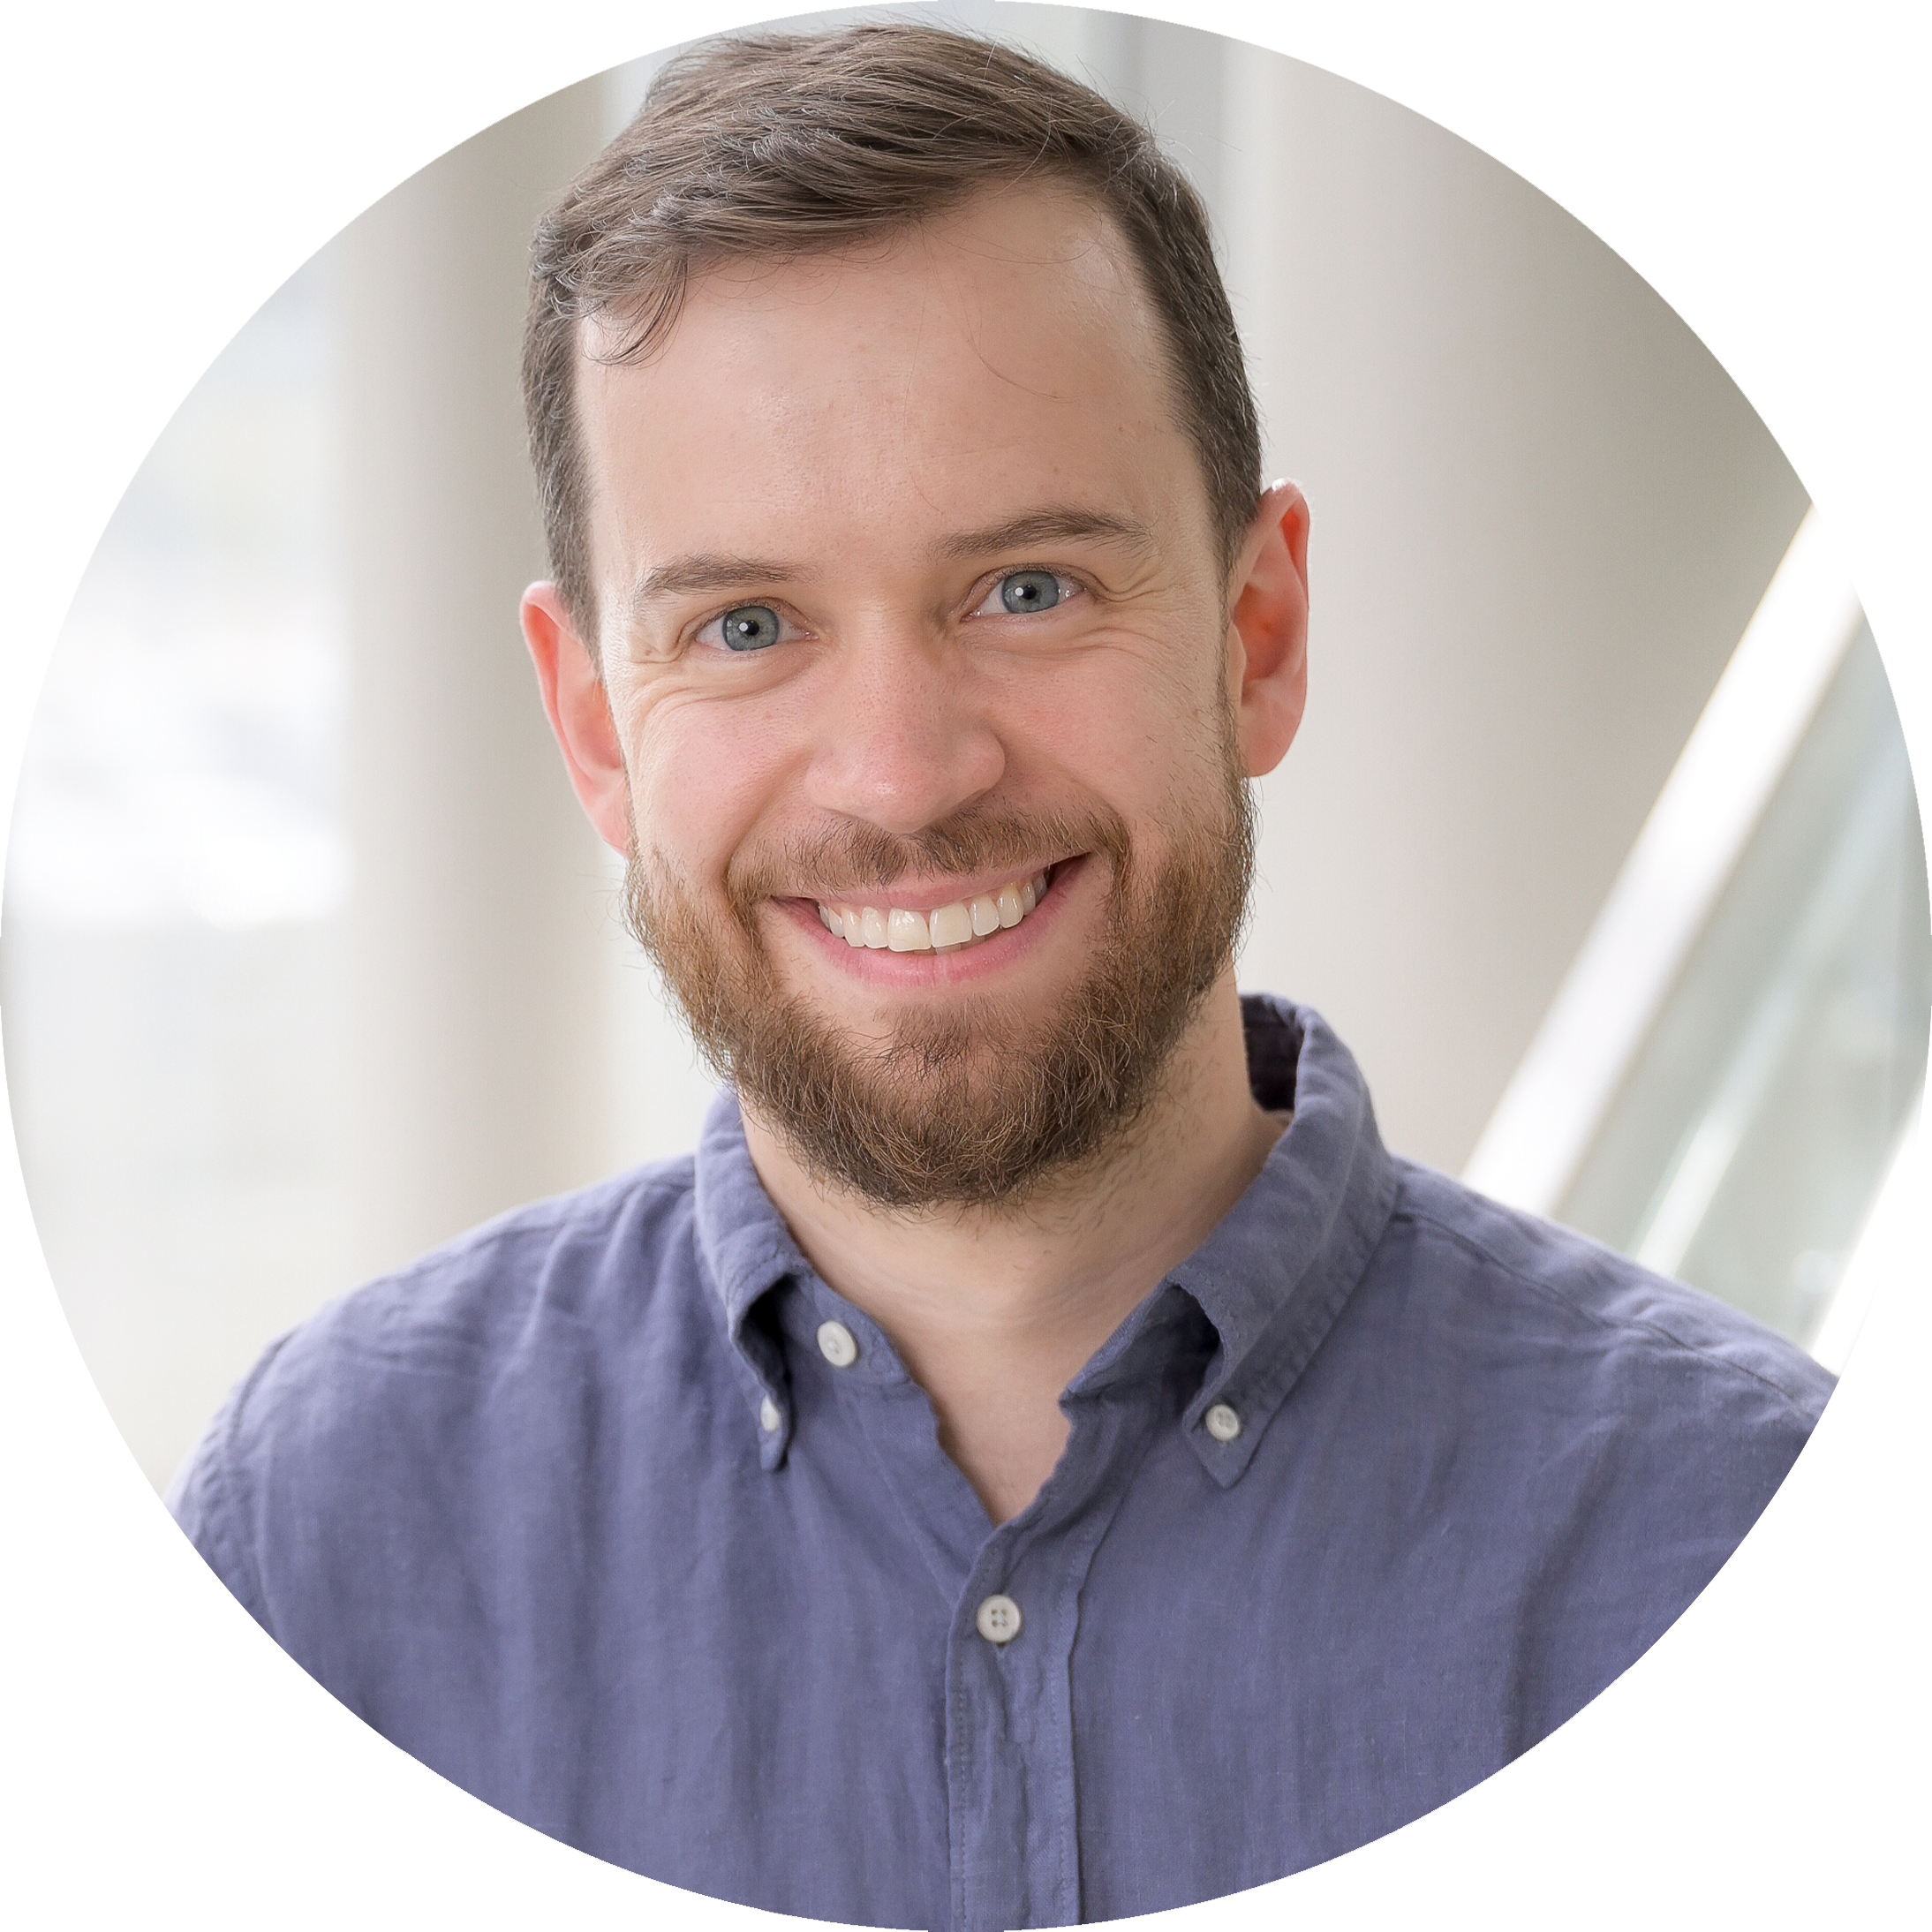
{"type": "Point", "coordinates": [1267, 630]}
{"type": "Point", "coordinates": [579, 712]}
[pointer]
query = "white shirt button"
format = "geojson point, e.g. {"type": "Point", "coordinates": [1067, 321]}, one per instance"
{"type": "Point", "coordinates": [1222, 1423]}
{"type": "Point", "coordinates": [836, 1345]}
{"type": "Point", "coordinates": [768, 1417]}
{"type": "Point", "coordinates": [997, 1620]}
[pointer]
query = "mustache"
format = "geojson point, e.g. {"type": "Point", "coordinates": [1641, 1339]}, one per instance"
{"type": "Point", "coordinates": [855, 856]}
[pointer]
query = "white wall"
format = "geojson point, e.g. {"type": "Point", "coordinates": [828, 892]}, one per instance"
{"type": "Point", "coordinates": [1542, 517]}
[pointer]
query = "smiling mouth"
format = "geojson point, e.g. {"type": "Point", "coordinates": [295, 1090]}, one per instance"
{"type": "Point", "coordinates": [943, 929]}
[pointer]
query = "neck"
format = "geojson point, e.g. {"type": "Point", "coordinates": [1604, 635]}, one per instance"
{"type": "Point", "coordinates": [994, 1311]}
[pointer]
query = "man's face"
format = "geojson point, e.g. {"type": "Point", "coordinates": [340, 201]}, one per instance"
{"type": "Point", "coordinates": [914, 632]}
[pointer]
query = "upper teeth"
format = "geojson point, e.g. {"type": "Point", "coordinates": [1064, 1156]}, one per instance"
{"type": "Point", "coordinates": [964, 922]}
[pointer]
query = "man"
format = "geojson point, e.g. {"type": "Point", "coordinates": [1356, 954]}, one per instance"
{"type": "Point", "coordinates": [1042, 1459]}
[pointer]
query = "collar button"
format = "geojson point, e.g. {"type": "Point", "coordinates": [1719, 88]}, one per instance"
{"type": "Point", "coordinates": [1223, 1423]}
{"type": "Point", "coordinates": [836, 1345]}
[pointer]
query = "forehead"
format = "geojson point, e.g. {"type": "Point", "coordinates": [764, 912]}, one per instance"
{"type": "Point", "coordinates": [999, 357]}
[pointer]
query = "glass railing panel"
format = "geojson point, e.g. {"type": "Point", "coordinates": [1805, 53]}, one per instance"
{"type": "Point", "coordinates": [1732, 1064]}
{"type": "Point", "coordinates": [1760, 1112]}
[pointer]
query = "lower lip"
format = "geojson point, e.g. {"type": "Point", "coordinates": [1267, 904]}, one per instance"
{"type": "Point", "coordinates": [881, 967]}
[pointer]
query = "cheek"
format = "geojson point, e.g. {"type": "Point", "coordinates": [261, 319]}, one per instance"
{"type": "Point", "coordinates": [704, 774]}
{"type": "Point", "coordinates": [1136, 720]}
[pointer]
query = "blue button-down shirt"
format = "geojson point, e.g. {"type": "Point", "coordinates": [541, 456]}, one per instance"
{"type": "Point", "coordinates": [578, 1511]}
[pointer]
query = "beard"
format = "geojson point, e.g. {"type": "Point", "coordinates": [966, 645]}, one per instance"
{"type": "Point", "coordinates": [976, 1105]}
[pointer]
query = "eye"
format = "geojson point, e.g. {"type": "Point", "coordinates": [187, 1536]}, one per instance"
{"type": "Point", "coordinates": [1019, 593]}
{"type": "Point", "coordinates": [750, 627]}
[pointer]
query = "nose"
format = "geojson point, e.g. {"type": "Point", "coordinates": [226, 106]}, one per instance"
{"type": "Point", "coordinates": [900, 739]}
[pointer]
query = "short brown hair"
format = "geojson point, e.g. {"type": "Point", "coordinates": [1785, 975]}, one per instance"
{"type": "Point", "coordinates": [782, 144]}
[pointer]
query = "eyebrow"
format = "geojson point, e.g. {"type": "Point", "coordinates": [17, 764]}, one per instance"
{"type": "Point", "coordinates": [1057, 525]}
{"type": "Point", "coordinates": [716, 570]}
{"type": "Point", "coordinates": [686, 577]}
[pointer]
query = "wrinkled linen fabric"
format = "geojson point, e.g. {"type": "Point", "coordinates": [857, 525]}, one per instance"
{"type": "Point", "coordinates": [518, 1508]}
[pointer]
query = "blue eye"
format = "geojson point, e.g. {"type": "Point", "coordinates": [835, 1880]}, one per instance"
{"type": "Point", "coordinates": [1025, 590]}
{"type": "Point", "coordinates": [751, 627]}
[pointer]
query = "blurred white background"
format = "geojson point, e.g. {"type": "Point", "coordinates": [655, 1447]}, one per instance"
{"type": "Point", "coordinates": [308, 959]}
{"type": "Point", "coordinates": [172, 937]}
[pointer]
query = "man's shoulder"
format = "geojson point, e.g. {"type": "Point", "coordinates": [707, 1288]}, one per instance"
{"type": "Point", "coordinates": [1549, 1305]}
{"type": "Point", "coordinates": [544, 1291]}
{"type": "Point", "coordinates": [585, 1259]}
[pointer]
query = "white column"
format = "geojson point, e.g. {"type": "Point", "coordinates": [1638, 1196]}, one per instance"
{"type": "Point", "coordinates": [479, 917]}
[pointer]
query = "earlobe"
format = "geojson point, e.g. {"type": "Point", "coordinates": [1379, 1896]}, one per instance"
{"type": "Point", "coordinates": [578, 708]}
{"type": "Point", "coordinates": [1267, 636]}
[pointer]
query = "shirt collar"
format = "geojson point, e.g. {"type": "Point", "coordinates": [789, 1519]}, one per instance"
{"type": "Point", "coordinates": [1271, 1278]}
{"type": "Point", "coordinates": [1275, 1272]}
{"type": "Point", "coordinates": [746, 1251]}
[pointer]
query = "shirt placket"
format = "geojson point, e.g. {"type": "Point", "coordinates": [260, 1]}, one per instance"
{"type": "Point", "coordinates": [1011, 1773]}
{"type": "Point", "coordinates": [1011, 1776]}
